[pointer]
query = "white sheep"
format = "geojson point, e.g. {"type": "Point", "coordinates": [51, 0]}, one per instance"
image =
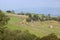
{"type": "Point", "coordinates": [50, 26]}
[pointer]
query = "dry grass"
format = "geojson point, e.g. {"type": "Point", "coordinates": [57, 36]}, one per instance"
{"type": "Point", "coordinates": [18, 16]}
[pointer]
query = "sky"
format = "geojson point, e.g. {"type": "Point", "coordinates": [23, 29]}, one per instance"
{"type": "Point", "coordinates": [31, 5]}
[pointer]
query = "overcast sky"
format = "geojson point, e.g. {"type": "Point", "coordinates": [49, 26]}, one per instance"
{"type": "Point", "coordinates": [17, 4]}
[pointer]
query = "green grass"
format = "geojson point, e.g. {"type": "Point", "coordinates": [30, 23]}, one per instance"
{"type": "Point", "coordinates": [11, 23]}
{"type": "Point", "coordinates": [38, 28]}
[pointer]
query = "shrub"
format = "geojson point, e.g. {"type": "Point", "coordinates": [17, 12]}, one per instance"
{"type": "Point", "coordinates": [8, 11]}
{"type": "Point", "coordinates": [3, 21]}
{"type": "Point", "coordinates": [50, 37]}
{"type": "Point", "coordinates": [28, 19]}
{"type": "Point", "coordinates": [35, 17]}
{"type": "Point", "coordinates": [29, 15]}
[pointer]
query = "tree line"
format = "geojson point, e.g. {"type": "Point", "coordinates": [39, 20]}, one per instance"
{"type": "Point", "coordinates": [41, 17]}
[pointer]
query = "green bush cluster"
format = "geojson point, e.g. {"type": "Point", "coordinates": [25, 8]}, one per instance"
{"type": "Point", "coordinates": [31, 17]}
{"type": "Point", "coordinates": [17, 35]}
{"type": "Point", "coordinates": [42, 17]}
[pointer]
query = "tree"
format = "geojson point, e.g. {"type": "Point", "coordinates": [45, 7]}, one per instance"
{"type": "Point", "coordinates": [8, 11]}
{"type": "Point", "coordinates": [35, 17]}
{"type": "Point", "coordinates": [48, 17]}
{"type": "Point", "coordinates": [43, 18]}
{"type": "Point", "coordinates": [29, 15]}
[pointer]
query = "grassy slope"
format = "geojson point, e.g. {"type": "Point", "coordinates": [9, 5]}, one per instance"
{"type": "Point", "coordinates": [37, 28]}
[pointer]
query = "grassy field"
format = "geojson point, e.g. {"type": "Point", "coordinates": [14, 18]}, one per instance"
{"type": "Point", "coordinates": [40, 29]}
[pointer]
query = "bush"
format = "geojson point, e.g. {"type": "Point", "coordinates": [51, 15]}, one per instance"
{"type": "Point", "coordinates": [3, 21]}
{"type": "Point", "coordinates": [28, 19]}
{"type": "Point", "coordinates": [21, 13]}
{"type": "Point", "coordinates": [29, 15]}
{"type": "Point", "coordinates": [35, 17]}
{"type": "Point", "coordinates": [58, 18]}
{"type": "Point", "coordinates": [50, 37]}
{"type": "Point", "coordinates": [8, 11]}
{"type": "Point", "coordinates": [18, 35]}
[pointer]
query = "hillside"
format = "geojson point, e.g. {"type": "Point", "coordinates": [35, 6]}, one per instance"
{"type": "Point", "coordinates": [38, 28]}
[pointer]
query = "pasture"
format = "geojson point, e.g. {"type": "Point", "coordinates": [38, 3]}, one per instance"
{"type": "Point", "coordinates": [40, 29]}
